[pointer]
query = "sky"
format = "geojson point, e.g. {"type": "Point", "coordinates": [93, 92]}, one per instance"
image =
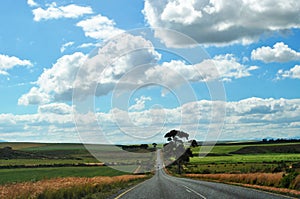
{"type": "Point", "coordinates": [98, 71]}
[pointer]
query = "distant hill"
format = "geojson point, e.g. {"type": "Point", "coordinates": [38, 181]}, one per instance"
{"type": "Point", "coordinates": [9, 153]}
{"type": "Point", "coordinates": [292, 148]}
{"type": "Point", "coordinates": [2, 141]}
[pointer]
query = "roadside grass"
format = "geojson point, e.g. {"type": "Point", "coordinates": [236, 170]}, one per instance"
{"type": "Point", "coordinates": [266, 179]}
{"type": "Point", "coordinates": [36, 174]}
{"type": "Point", "coordinates": [274, 182]}
{"type": "Point", "coordinates": [230, 168]}
{"type": "Point", "coordinates": [274, 167]}
{"type": "Point", "coordinates": [70, 187]}
{"type": "Point", "coordinates": [296, 183]}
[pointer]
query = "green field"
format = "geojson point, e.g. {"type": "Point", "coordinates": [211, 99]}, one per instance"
{"type": "Point", "coordinates": [245, 158]}
{"type": "Point", "coordinates": [63, 160]}
{"type": "Point", "coordinates": [11, 162]}
{"type": "Point", "coordinates": [49, 154]}
{"type": "Point", "coordinates": [35, 174]}
{"type": "Point", "coordinates": [261, 158]}
{"type": "Point", "coordinates": [221, 159]}
{"type": "Point", "coordinates": [228, 148]}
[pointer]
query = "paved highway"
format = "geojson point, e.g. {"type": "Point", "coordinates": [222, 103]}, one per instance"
{"type": "Point", "coordinates": [162, 185]}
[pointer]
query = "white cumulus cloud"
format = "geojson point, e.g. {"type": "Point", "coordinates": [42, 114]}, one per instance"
{"type": "Point", "coordinates": [55, 108]}
{"type": "Point", "coordinates": [221, 67]}
{"type": "Point", "coordinates": [293, 73]}
{"type": "Point", "coordinates": [251, 118]}
{"type": "Point", "coordinates": [280, 52]}
{"type": "Point", "coordinates": [104, 69]}
{"type": "Point", "coordinates": [220, 22]}
{"type": "Point", "coordinates": [139, 103]}
{"type": "Point", "coordinates": [9, 62]}
{"type": "Point", "coordinates": [32, 3]}
{"type": "Point", "coordinates": [65, 46]}
{"type": "Point", "coordinates": [99, 27]}
{"type": "Point", "coordinates": [56, 12]}
{"type": "Point", "coordinates": [34, 96]}
{"type": "Point", "coordinates": [113, 61]}
{"type": "Point", "coordinates": [124, 63]}
{"type": "Point", "coordinates": [55, 83]}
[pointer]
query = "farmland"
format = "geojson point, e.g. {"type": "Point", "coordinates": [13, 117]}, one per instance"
{"type": "Point", "coordinates": [53, 170]}
{"type": "Point", "coordinates": [70, 187]}
{"type": "Point", "coordinates": [34, 161]}
{"type": "Point", "coordinates": [38, 162]}
{"type": "Point", "coordinates": [264, 165]}
{"type": "Point", "coordinates": [28, 155]}
{"type": "Point", "coordinates": [35, 174]}
{"type": "Point", "coordinates": [245, 158]}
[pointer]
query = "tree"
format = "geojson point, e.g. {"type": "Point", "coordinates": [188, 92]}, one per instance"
{"type": "Point", "coordinates": [154, 145]}
{"type": "Point", "coordinates": [175, 147]}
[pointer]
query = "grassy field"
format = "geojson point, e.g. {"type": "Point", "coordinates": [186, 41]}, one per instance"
{"type": "Point", "coordinates": [35, 174]}
{"type": "Point", "coordinates": [232, 159]}
{"type": "Point", "coordinates": [20, 162]}
{"type": "Point", "coordinates": [245, 158]}
{"type": "Point", "coordinates": [70, 187]}
{"type": "Point", "coordinates": [20, 146]}
{"type": "Point", "coordinates": [48, 154]}
{"type": "Point", "coordinates": [274, 182]}
{"type": "Point", "coordinates": [266, 153]}
{"type": "Point", "coordinates": [249, 158]}
{"type": "Point", "coordinates": [54, 170]}
{"type": "Point", "coordinates": [229, 148]}
{"type": "Point", "coordinates": [12, 162]}
{"type": "Point", "coordinates": [274, 166]}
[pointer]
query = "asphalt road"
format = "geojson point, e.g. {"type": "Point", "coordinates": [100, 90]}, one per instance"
{"type": "Point", "coordinates": [162, 185]}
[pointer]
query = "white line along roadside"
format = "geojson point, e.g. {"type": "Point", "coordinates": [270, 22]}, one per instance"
{"type": "Point", "coordinates": [195, 192]}
{"type": "Point", "coordinates": [122, 194]}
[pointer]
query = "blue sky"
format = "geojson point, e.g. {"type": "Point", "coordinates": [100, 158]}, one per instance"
{"type": "Point", "coordinates": [134, 65]}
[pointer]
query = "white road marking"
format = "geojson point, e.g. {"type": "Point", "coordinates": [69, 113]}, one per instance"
{"type": "Point", "coordinates": [195, 192]}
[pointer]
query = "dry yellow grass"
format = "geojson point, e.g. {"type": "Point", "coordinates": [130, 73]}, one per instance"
{"type": "Point", "coordinates": [268, 179]}
{"type": "Point", "coordinates": [263, 181]}
{"type": "Point", "coordinates": [32, 189]}
{"type": "Point", "coordinates": [274, 189]}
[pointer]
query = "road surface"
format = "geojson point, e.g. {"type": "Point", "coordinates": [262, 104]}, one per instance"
{"type": "Point", "coordinates": [162, 185]}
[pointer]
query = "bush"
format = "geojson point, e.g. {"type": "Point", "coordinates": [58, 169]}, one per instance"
{"type": "Point", "coordinates": [286, 181]}
{"type": "Point", "coordinates": [206, 171]}
{"type": "Point", "coordinates": [296, 183]}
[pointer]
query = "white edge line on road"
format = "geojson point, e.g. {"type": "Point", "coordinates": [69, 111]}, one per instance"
{"type": "Point", "coordinates": [195, 192]}
{"type": "Point", "coordinates": [122, 194]}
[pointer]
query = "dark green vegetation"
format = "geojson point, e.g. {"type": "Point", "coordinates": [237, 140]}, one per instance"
{"type": "Point", "coordinates": [35, 174]}
{"type": "Point", "coordinates": [175, 148]}
{"type": "Point", "coordinates": [292, 148]}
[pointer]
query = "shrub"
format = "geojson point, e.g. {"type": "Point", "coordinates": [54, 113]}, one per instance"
{"type": "Point", "coordinates": [296, 183]}
{"type": "Point", "coordinates": [286, 181]}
